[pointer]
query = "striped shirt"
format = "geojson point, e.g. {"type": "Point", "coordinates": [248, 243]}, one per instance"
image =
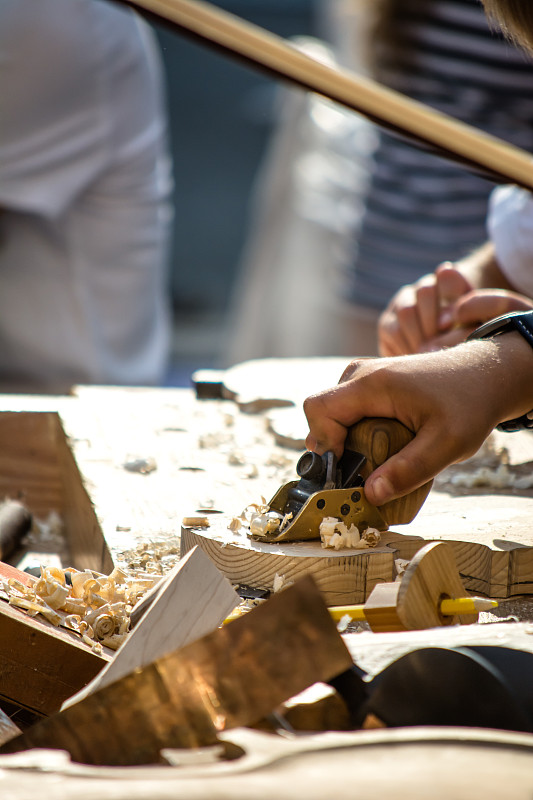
{"type": "Point", "coordinates": [420, 209]}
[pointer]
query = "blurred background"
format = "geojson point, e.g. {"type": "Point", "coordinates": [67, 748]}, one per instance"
{"type": "Point", "coordinates": [222, 115]}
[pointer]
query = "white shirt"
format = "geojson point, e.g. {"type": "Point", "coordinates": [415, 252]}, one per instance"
{"type": "Point", "coordinates": [84, 187]}
{"type": "Point", "coordinates": [510, 227]}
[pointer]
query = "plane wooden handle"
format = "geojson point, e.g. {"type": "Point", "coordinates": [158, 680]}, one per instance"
{"type": "Point", "coordinates": [378, 438]}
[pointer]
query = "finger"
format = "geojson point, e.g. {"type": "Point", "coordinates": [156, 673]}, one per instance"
{"type": "Point", "coordinates": [391, 341]}
{"type": "Point", "coordinates": [418, 462]}
{"type": "Point", "coordinates": [427, 297]}
{"type": "Point", "coordinates": [485, 304]}
{"type": "Point", "coordinates": [410, 327]}
{"type": "Point", "coordinates": [332, 412]}
{"type": "Point", "coordinates": [451, 283]}
{"type": "Point", "coordinates": [326, 430]}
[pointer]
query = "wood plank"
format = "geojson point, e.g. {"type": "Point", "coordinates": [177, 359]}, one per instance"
{"type": "Point", "coordinates": [41, 665]}
{"type": "Point", "coordinates": [193, 600]}
{"type": "Point", "coordinates": [29, 467]}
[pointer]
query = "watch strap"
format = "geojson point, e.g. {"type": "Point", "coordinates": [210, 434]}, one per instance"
{"type": "Point", "coordinates": [522, 322]}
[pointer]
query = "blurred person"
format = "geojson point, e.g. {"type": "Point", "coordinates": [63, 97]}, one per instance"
{"type": "Point", "coordinates": [420, 209]}
{"type": "Point", "coordinates": [442, 308]}
{"type": "Point", "coordinates": [84, 188]}
{"type": "Point", "coordinates": [345, 214]}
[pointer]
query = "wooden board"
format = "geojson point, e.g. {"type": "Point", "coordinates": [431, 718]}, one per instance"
{"type": "Point", "coordinates": [37, 466]}
{"type": "Point", "coordinates": [344, 577]}
{"type": "Point", "coordinates": [348, 576]}
{"type": "Point", "coordinates": [407, 764]}
{"type": "Point", "coordinates": [41, 665]}
{"type": "Point", "coordinates": [192, 601]}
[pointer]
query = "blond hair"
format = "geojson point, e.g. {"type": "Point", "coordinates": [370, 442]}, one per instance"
{"type": "Point", "coordinates": [514, 17]}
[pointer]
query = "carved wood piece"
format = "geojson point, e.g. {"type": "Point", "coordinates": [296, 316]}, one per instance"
{"type": "Point", "coordinates": [345, 577]}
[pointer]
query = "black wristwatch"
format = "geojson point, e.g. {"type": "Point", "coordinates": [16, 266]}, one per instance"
{"type": "Point", "coordinates": [522, 322]}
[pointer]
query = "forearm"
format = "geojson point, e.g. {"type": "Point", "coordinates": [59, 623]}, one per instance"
{"type": "Point", "coordinates": [482, 270]}
{"type": "Point", "coordinates": [450, 399]}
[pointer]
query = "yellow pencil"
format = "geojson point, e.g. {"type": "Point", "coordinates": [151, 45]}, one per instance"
{"type": "Point", "coordinates": [450, 607]}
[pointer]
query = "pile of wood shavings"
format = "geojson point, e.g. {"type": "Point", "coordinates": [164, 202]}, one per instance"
{"type": "Point", "coordinates": [150, 558]}
{"type": "Point", "coordinates": [95, 606]}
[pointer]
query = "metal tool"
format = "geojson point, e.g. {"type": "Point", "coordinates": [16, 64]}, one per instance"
{"type": "Point", "coordinates": [474, 686]}
{"type": "Point", "coordinates": [335, 488]}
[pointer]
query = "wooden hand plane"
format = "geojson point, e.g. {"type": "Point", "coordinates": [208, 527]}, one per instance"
{"type": "Point", "coordinates": [335, 488]}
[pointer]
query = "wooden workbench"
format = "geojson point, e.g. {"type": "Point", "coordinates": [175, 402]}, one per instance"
{"type": "Point", "coordinates": [211, 458]}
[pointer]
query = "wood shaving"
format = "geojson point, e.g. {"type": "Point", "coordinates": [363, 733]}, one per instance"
{"type": "Point", "coordinates": [236, 524]}
{"type": "Point", "coordinates": [335, 534]}
{"type": "Point", "coordinates": [501, 477]}
{"type": "Point", "coordinates": [195, 522]}
{"type": "Point", "coordinates": [97, 607]}
{"type": "Point", "coordinates": [141, 465]}
{"type": "Point", "coordinates": [268, 522]}
{"type": "Point", "coordinates": [236, 459]}
{"type": "Point", "coordinates": [371, 536]}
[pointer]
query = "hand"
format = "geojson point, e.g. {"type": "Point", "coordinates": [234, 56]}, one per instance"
{"type": "Point", "coordinates": [450, 399]}
{"type": "Point", "coordinates": [472, 310]}
{"type": "Point", "coordinates": [420, 312]}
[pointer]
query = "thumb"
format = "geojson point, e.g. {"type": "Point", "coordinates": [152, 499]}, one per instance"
{"type": "Point", "coordinates": [484, 304]}
{"type": "Point", "coordinates": [415, 464]}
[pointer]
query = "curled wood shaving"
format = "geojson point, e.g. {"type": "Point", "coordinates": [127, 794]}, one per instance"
{"type": "Point", "coordinates": [336, 535]}
{"type": "Point", "coordinates": [95, 606]}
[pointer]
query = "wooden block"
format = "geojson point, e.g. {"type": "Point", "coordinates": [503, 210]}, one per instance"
{"type": "Point", "coordinates": [192, 601]}
{"type": "Point", "coordinates": [381, 608]}
{"type": "Point", "coordinates": [41, 665]}
{"type": "Point", "coordinates": [234, 676]}
{"type": "Point", "coordinates": [345, 577]}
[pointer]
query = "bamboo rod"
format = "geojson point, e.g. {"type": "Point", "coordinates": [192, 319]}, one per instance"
{"type": "Point", "coordinates": [385, 106]}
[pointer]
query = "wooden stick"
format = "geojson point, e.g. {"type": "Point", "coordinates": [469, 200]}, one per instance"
{"type": "Point", "coordinates": [465, 143]}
